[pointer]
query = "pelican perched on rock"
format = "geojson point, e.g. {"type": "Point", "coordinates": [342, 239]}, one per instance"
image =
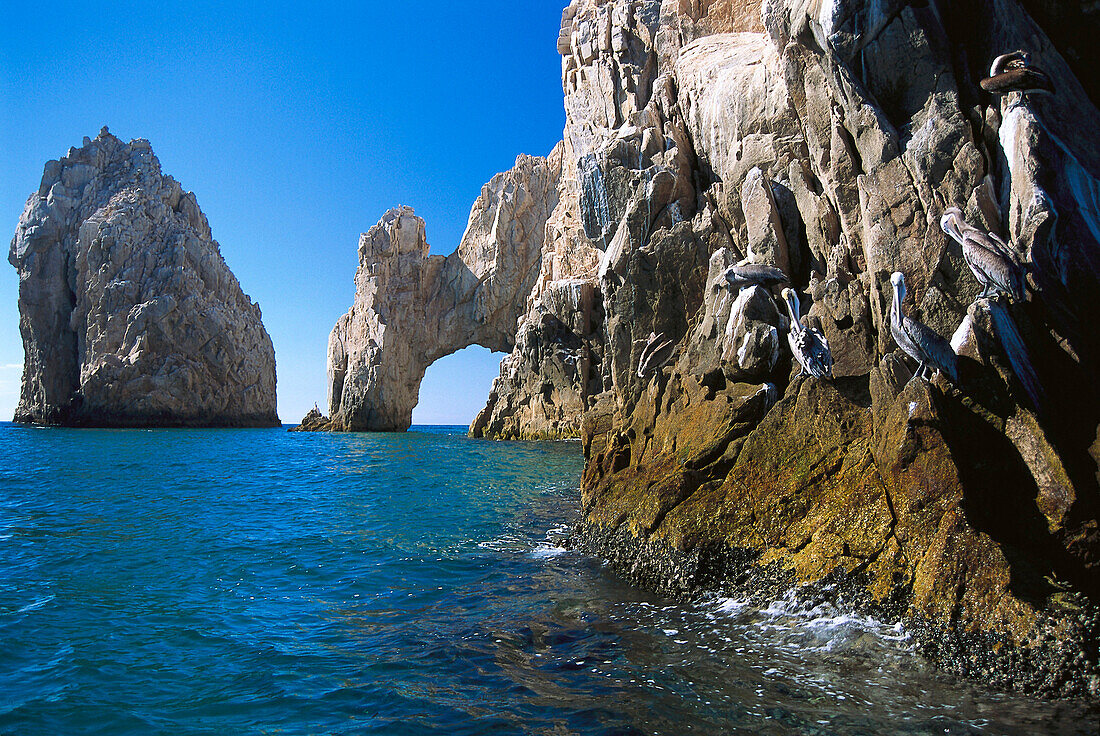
{"type": "Point", "coordinates": [994, 264]}
{"type": "Point", "coordinates": [808, 344]}
{"type": "Point", "coordinates": [740, 275]}
{"type": "Point", "coordinates": [1014, 73]}
{"type": "Point", "coordinates": [919, 341]}
{"type": "Point", "coordinates": [658, 349]}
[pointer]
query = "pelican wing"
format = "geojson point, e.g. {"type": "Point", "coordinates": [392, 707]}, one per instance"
{"type": "Point", "coordinates": [811, 350]}
{"type": "Point", "coordinates": [1029, 80]}
{"type": "Point", "coordinates": [995, 242]}
{"type": "Point", "coordinates": [655, 354]}
{"type": "Point", "coordinates": [993, 262]}
{"type": "Point", "coordinates": [822, 356]}
{"type": "Point", "coordinates": [904, 339]}
{"type": "Point", "coordinates": [930, 348]}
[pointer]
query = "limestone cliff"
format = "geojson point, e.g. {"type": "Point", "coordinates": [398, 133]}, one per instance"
{"type": "Point", "coordinates": [128, 313]}
{"type": "Point", "coordinates": [826, 138]}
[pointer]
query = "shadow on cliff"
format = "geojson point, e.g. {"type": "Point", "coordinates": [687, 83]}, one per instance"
{"type": "Point", "coordinates": [1002, 494]}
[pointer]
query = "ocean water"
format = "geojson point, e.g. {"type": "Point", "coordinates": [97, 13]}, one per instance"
{"type": "Point", "coordinates": [261, 582]}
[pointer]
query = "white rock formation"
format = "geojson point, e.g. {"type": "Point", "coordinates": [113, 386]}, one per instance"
{"type": "Point", "coordinates": [128, 313]}
{"type": "Point", "coordinates": [412, 308]}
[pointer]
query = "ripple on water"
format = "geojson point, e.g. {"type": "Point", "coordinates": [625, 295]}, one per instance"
{"type": "Point", "coordinates": [255, 581]}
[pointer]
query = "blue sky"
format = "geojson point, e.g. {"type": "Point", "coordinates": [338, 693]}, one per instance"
{"type": "Point", "coordinates": [296, 126]}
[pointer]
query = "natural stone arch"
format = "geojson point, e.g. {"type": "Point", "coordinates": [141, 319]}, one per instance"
{"type": "Point", "coordinates": [454, 388]}
{"type": "Point", "coordinates": [412, 308]}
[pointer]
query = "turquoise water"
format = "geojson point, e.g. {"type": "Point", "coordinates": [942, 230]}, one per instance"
{"type": "Point", "coordinates": [261, 582]}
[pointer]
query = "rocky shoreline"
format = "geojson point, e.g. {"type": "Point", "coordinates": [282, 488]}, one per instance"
{"type": "Point", "coordinates": [946, 475]}
{"type": "Point", "coordinates": [813, 281]}
{"type": "Point", "coordinates": [1054, 665]}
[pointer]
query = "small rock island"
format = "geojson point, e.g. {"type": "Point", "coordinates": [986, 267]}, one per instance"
{"type": "Point", "coordinates": [129, 315]}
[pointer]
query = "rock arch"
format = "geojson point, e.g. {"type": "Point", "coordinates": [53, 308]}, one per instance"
{"type": "Point", "coordinates": [412, 308]}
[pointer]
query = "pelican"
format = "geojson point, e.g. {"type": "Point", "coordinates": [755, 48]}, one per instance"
{"type": "Point", "coordinates": [994, 264]}
{"type": "Point", "coordinates": [740, 275]}
{"type": "Point", "coordinates": [919, 341]}
{"type": "Point", "coordinates": [808, 344]}
{"type": "Point", "coordinates": [655, 354]}
{"type": "Point", "coordinates": [1014, 73]}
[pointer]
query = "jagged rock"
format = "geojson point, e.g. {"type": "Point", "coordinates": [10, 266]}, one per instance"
{"type": "Point", "coordinates": [543, 384]}
{"type": "Point", "coordinates": [827, 139]}
{"type": "Point", "coordinates": [412, 308]}
{"type": "Point", "coordinates": [313, 421]}
{"type": "Point", "coordinates": [767, 243]}
{"type": "Point", "coordinates": [128, 313]}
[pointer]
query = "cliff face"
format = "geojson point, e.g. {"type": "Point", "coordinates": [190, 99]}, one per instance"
{"type": "Point", "coordinates": [128, 313]}
{"type": "Point", "coordinates": [826, 139]}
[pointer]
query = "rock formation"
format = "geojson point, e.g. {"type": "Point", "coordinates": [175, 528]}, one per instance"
{"type": "Point", "coordinates": [128, 313]}
{"type": "Point", "coordinates": [826, 138]}
{"type": "Point", "coordinates": [412, 308]}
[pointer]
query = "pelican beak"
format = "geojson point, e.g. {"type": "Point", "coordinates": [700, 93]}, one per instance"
{"type": "Point", "coordinates": [792, 304]}
{"type": "Point", "coordinates": [950, 223]}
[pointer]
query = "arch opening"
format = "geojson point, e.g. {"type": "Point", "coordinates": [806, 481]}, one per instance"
{"type": "Point", "coordinates": [455, 387]}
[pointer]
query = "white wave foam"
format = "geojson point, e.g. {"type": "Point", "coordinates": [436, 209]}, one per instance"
{"type": "Point", "coordinates": [731, 605]}
{"type": "Point", "coordinates": [545, 551]}
{"type": "Point", "coordinates": [823, 626]}
{"type": "Point", "coordinates": [506, 543]}
{"type": "Point", "coordinates": [36, 604]}
{"type": "Point", "coordinates": [550, 546]}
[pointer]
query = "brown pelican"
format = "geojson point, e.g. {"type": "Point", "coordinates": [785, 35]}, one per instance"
{"type": "Point", "coordinates": [655, 354]}
{"type": "Point", "coordinates": [919, 341]}
{"type": "Point", "coordinates": [1014, 73]}
{"type": "Point", "coordinates": [741, 275]}
{"type": "Point", "coordinates": [995, 265]}
{"type": "Point", "coordinates": [808, 344]}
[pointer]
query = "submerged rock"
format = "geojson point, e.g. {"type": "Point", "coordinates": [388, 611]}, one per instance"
{"type": "Point", "coordinates": [313, 421]}
{"type": "Point", "coordinates": [129, 314]}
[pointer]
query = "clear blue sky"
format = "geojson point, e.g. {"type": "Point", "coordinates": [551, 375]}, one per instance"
{"type": "Point", "coordinates": [296, 126]}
